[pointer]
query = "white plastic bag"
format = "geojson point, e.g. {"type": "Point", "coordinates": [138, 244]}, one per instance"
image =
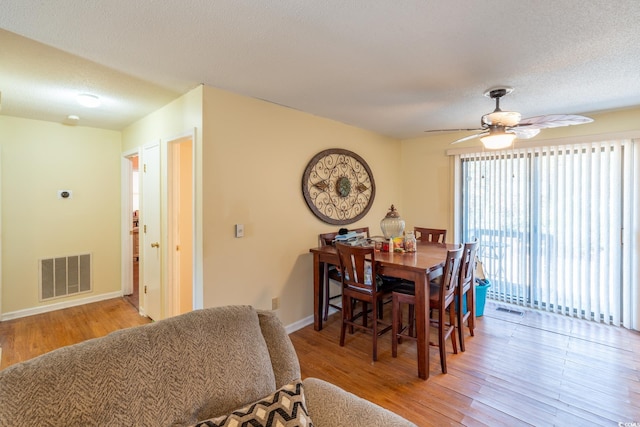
{"type": "Point", "coordinates": [479, 270]}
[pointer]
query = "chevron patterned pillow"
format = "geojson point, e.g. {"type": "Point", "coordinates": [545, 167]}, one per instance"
{"type": "Point", "coordinates": [284, 408]}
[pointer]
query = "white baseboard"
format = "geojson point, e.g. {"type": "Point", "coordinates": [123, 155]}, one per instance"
{"type": "Point", "coordinates": [95, 298]}
{"type": "Point", "coordinates": [306, 321]}
{"type": "Point", "coordinates": [58, 306]}
{"type": "Point", "coordinates": [299, 324]}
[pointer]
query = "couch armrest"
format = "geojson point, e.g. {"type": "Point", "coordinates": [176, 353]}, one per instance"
{"type": "Point", "coordinates": [329, 405]}
{"type": "Point", "coordinates": [284, 359]}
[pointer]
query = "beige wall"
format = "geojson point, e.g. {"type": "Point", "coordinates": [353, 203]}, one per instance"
{"type": "Point", "coordinates": [250, 157]}
{"type": "Point", "coordinates": [253, 154]}
{"type": "Point", "coordinates": [38, 159]}
{"type": "Point", "coordinates": [182, 114]}
{"type": "Point", "coordinates": [427, 186]}
{"type": "Point", "coordinates": [254, 157]}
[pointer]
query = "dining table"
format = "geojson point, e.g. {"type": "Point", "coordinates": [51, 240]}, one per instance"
{"type": "Point", "coordinates": [418, 267]}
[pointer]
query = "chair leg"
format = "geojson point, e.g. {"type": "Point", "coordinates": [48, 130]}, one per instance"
{"type": "Point", "coordinates": [471, 306]}
{"type": "Point", "coordinates": [346, 314]}
{"type": "Point", "coordinates": [396, 324]}
{"type": "Point", "coordinates": [353, 306]}
{"type": "Point", "coordinates": [468, 317]}
{"type": "Point", "coordinates": [460, 321]}
{"type": "Point", "coordinates": [365, 312]}
{"type": "Point", "coordinates": [374, 319]}
{"type": "Point", "coordinates": [412, 320]}
{"type": "Point", "coordinates": [441, 342]}
{"type": "Point", "coordinates": [326, 292]}
{"type": "Point", "coordinates": [452, 323]}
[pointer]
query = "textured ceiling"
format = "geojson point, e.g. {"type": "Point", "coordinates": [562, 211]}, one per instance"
{"type": "Point", "coordinates": [394, 67]}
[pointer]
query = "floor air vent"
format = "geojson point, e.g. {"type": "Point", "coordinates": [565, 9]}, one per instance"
{"type": "Point", "coordinates": [510, 311]}
{"type": "Point", "coordinates": [65, 276]}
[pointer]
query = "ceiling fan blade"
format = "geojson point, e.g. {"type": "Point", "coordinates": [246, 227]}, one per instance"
{"type": "Point", "coordinates": [466, 138]}
{"type": "Point", "coordinates": [524, 132]}
{"type": "Point", "coordinates": [553, 121]}
{"type": "Point", "coordinates": [454, 130]}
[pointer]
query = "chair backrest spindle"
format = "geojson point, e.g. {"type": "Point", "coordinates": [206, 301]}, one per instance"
{"type": "Point", "coordinates": [450, 274]}
{"type": "Point", "coordinates": [467, 267]}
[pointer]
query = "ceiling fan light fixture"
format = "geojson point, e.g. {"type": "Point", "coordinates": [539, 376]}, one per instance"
{"type": "Point", "coordinates": [498, 139]}
{"type": "Point", "coordinates": [502, 118]}
{"type": "Point", "coordinates": [499, 129]}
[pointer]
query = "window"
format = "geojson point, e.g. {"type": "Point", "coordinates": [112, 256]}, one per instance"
{"type": "Point", "coordinates": [551, 222]}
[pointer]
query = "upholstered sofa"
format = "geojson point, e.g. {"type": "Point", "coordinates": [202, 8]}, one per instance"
{"type": "Point", "coordinates": [222, 365]}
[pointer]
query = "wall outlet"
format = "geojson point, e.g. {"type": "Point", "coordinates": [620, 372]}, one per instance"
{"type": "Point", "coordinates": [275, 303]}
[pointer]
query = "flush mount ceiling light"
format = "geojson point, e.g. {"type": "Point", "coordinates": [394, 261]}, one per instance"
{"type": "Point", "coordinates": [88, 100]}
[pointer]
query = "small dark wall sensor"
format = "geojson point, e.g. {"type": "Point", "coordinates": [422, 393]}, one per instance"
{"type": "Point", "coordinates": [65, 194]}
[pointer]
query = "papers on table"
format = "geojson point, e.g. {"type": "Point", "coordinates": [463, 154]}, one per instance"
{"type": "Point", "coordinates": [352, 238]}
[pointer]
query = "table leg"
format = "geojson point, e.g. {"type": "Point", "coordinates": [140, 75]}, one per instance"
{"type": "Point", "coordinates": [422, 325]}
{"type": "Point", "coordinates": [318, 292]}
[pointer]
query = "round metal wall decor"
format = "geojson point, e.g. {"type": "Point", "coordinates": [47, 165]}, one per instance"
{"type": "Point", "coordinates": [338, 186]}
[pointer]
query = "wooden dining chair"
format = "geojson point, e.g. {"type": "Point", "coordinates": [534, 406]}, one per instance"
{"type": "Point", "coordinates": [360, 282]}
{"type": "Point", "coordinates": [443, 284]}
{"type": "Point", "coordinates": [332, 272]}
{"type": "Point", "coordinates": [465, 292]}
{"type": "Point", "coordinates": [432, 235]}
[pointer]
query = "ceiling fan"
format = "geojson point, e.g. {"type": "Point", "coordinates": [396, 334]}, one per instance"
{"type": "Point", "coordinates": [499, 128]}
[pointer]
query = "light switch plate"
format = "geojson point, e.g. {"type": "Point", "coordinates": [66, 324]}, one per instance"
{"type": "Point", "coordinates": [239, 230]}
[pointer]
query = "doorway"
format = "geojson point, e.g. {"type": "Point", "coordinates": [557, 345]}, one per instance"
{"type": "Point", "coordinates": [134, 296]}
{"type": "Point", "coordinates": [169, 257]}
{"type": "Point", "coordinates": [181, 224]}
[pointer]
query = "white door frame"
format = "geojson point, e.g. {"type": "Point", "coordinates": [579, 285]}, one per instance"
{"type": "Point", "coordinates": [173, 288]}
{"type": "Point", "coordinates": [0, 243]}
{"type": "Point", "coordinates": [125, 221]}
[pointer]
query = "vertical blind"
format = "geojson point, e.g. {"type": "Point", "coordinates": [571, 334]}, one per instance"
{"type": "Point", "coordinates": [551, 224]}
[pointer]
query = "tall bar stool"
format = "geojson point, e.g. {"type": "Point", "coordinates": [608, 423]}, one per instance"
{"type": "Point", "coordinates": [360, 282]}
{"type": "Point", "coordinates": [465, 290]}
{"type": "Point", "coordinates": [441, 297]}
{"type": "Point", "coordinates": [332, 272]}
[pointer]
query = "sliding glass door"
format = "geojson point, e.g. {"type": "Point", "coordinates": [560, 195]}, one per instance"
{"type": "Point", "coordinates": [550, 222]}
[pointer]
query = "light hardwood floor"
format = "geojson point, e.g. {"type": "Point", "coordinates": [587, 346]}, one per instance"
{"type": "Point", "coordinates": [536, 369]}
{"type": "Point", "coordinates": [28, 337]}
